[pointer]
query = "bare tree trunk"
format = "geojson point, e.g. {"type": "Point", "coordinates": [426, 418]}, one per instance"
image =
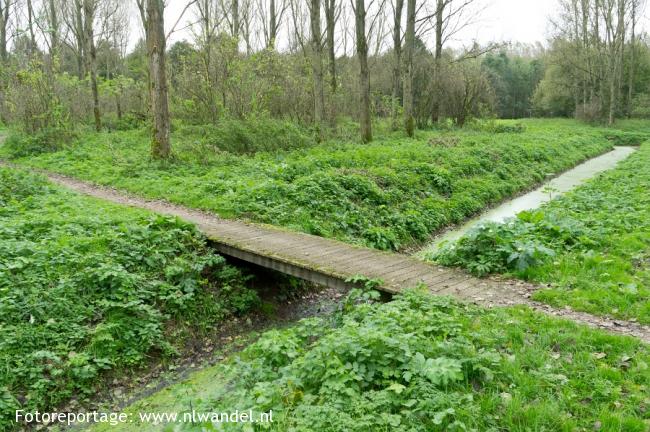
{"type": "Point", "coordinates": [54, 30]}
{"type": "Point", "coordinates": [409, 122]}
{"type": "Point", "coordinates": [364, 74]}
{"type": "Point", "coordinates": [160, 144]}
{"type": "Point", "coordinates": [440, 9]}
{"type": "Point", "coordinates": [330, 21]}
{"type": "Point", "coordinates": [206, 19]}
{"type": "Point", "coordinates": [630, 83]}
{"type": "Point", "coordinates": [317, 66]}
{"type": "Point", "coordinates": [397, 61]}
{"type": "Point", "coordinates": [91, 58]}
{"type": "Point", "coordinates": [4, 22]}
{"type": "Point", "coordinates": [273, 25]}
{"type": "Point", "coordinates": [30, 26]}
{"type": "Point", "coordinates": [80, 38]}
{"type": "Point", "coordinates": [235, 19]}
{"type": "Point", "coordinates": [584, 9]}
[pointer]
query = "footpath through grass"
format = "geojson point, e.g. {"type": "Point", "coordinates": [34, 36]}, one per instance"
{"type": "Point", "coordinates": [592, 245]}
{"type": "Point", "coordinates": [392, 193]}
{"type": "Point", "coordinates": [422, 363]}
{"type": "Point", "coordinates": [89, 289]}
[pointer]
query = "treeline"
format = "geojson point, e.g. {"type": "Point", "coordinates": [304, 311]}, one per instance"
{"type": "Point", "coordinates": [598, 64]}
{"type": "Point", "coordinates": [316, 62]}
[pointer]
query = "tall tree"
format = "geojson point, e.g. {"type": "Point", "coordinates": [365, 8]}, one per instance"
{"type": "Point", "coordinates": [5, 6]}
{"type": "Point", "coordinates": [398, 7]}
{"type": "Point", "coordinates": [364, 73]}
{"type": "Point", "coordinates": [53, 18]}
{"type": "Point", "coordinates": [235, 19]}
{"type": "Point", "coordinates": [89, 10]}
{"type": "Point", "coordinates": [330, 23]}
{"type": "Point", "coordinates": [632, 67]}
{"type": "Point", "coordinates": [317, 65]}
{"type": "Point", "coordinates": [155, 35]}
{"type": "Point", "coordinates": [30, 27]}
{"type": "Point", "coordinates": [271, 12]}
{"type": "Point", "coordinates": [409, 122]}
{"type": "Point", "coordinates": [208, 17]}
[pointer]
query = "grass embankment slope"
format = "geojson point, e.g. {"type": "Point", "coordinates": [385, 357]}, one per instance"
{"type": "Point", "coordinates": [388, 194]}
{"type": "Point", "coordinates": [424, 363]}
{"type": "Point", "coordinates": [89, 289]}
{"type": "Point", "coordinates": [592, 245]}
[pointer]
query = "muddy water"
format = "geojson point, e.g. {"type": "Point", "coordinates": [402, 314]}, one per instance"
{"type": "Point", "coordinates": [552, 189]}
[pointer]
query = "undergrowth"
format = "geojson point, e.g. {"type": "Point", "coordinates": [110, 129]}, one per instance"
{"type": "Point", "coordinates": [423, 363]}
{"type": "Point", "coordinates": [592, 245]}
{"type": "Point", "coordinates": [87, 288]}
{"type": "Point", "coordinates": [389, 194]}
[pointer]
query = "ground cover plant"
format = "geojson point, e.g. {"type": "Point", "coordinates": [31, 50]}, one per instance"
{"type": "Point", "coordinates": [88, 289]}
{"type": "Point", "coordinates": [592, 245]}
{"type": "Point", "coordinates": [387, 194]}
{"type": "Point", "coordinates": [424, 363]}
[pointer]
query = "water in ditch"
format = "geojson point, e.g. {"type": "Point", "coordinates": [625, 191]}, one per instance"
{"type": "Point", "coordinates": [532, 200]}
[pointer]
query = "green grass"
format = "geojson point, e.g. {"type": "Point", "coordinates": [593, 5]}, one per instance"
{"type": "Point", "coordinates": [389, 194]}
{"type": "Point", "coordinates": [592, 245]}
{"type": "Point", "coordinates": [89, 289]}
{"type": "Point", "coordinates": [423, 363]}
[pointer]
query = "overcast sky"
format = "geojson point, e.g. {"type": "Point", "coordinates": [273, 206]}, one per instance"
{"type": "Point", "coordinates": [511, 20]}
{"type": "Point", "coordinates": [500, 20]}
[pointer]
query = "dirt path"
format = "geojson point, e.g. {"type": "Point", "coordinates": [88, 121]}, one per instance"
{"type": "Point", "coordinates": [331, 263]}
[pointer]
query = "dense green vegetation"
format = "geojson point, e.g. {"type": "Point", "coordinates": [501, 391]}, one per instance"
{"type": "Point", "coordinates": [87, 287]}
{"type": "Point", "coordinates": [386, 195]}
{"type": "Point", "coordinates": [424, 363]}
{"type": "Point", "coordinates": [592, 245]}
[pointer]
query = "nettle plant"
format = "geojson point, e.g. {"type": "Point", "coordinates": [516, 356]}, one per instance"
{"type": "Point", "coordinates": [407, 363]}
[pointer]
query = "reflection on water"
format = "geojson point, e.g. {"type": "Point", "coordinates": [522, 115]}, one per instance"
{"type": "Point", "coordinates": [534, 199]}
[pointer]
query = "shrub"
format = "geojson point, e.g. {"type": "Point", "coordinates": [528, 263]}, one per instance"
{"type": "Point", "coordinates": [250, 136]}
{"type": "Point", "coordinates": [44, 141]}
{"type": "Point", "coordinates": [493, 248]}
{"type": "Point", "coordinates": [625, 138]}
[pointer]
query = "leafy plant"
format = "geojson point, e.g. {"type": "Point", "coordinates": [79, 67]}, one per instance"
{"type": "Point", "coordinates": [589, 245]}
{"type": "Point", "coordinates": [87, 288]}
{"type": "Point", "coordinates": [424, 363]}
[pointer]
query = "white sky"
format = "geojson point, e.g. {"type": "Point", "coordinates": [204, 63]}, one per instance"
{"type": "Point", "coordinates": [511, 20]}
{"type": "Point", "coordinates": [524, 21]}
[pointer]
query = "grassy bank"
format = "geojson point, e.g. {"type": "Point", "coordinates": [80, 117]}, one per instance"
{"type": "Point", "coordinates": [89, 289]}
{"type": "Point", "coordinates": [388, 194]}
{"type": "Point", "coordinates": [592, 245]}
{"type": "Point", "coordinates": [422, 363]}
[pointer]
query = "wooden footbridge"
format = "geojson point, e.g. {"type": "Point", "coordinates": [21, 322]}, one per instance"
{"type": "Point", "coordinates": [316, 259]}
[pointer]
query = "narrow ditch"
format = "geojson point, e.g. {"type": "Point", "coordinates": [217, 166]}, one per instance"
{"type": "Point", "coordinates": [551, 189]}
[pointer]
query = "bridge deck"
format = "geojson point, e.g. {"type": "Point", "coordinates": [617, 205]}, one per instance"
{"type": "Point", "coordinates": [323, 261]}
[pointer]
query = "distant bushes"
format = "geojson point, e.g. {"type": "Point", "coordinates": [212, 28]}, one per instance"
{"type": "Point", "coordinates": [493, 126]}
{"type": "Point", "coordinates": [250, 136]}
{"type": "Point", "coordinates": [44, 141]}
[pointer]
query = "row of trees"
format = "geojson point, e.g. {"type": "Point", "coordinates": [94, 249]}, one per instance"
{"type": "Point", "coordinates": [595, 59]}
{"type": "Point", "coordinates": [317, 62]}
